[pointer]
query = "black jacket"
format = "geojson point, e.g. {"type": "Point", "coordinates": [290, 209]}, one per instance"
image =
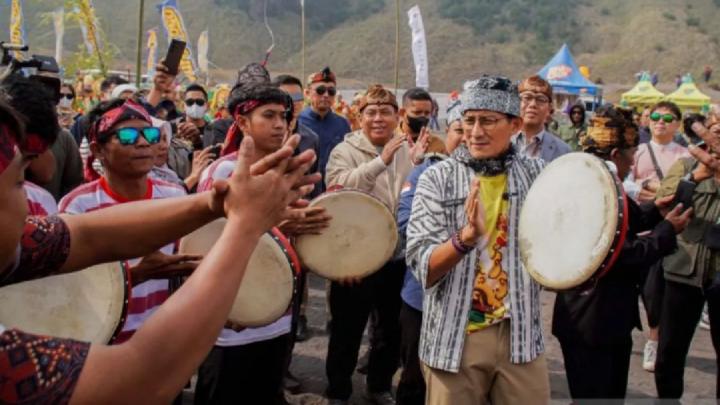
{"type": "Point", "coordinates": [607, 313]}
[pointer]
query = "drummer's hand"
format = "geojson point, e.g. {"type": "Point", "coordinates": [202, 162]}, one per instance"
{"type": "Point", "coordinates": [475, 213]}
{"type": "Point", "coordinates": [308, 221]}
{"type": "Point", "coordinates": [349, 281]}
{"type": "Point", "coordinates": [159, 265]}
{"type": "Point", "coordinates": [236, 327]}
{"type": "Point", "coordinates": [678, 218]}
{"type": "Point", "coordinates": [260, 194]}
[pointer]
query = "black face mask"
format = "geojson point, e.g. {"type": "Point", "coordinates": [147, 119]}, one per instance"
{"type": "Point", "coordinates": [417, 123]}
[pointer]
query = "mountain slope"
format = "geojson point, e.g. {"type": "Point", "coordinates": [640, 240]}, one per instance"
{"type": "Point", "coordinates": [616, 38]}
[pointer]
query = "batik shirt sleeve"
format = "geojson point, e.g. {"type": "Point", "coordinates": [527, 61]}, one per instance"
{"type": "Point", "coordinates": [39, 369]}
{"type": "Point", "coordinates": [44, 248]}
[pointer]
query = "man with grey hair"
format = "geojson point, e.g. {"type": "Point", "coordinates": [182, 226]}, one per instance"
{"type": "Point", "coordinates": [481, 335]}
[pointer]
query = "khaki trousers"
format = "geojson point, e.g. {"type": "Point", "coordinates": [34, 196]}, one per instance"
{"type": "Point", "coordinates": [487, 374]}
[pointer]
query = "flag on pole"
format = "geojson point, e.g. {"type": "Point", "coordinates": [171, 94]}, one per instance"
{"type": "Point", "coordinates": [59, 24]}
{"type": "Point", "coordinates": [419, 48]}
{"type": "Point", "coordinates": [151, 60]}
{"type": "Point", "coordinates": [203, 45]}
{"type": "Point", "coordinates": [175, 29]}
{"type": "Point", "coordinates": [17, 29]}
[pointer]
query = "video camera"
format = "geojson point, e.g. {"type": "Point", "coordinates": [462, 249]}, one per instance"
{"type": "Point", "coordinates": [43, 69]}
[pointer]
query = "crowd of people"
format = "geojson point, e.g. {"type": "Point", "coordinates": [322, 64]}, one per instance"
{"type": "Point", "coordinates": [118, 173]}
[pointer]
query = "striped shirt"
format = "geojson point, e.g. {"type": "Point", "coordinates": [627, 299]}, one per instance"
{"type": "Point", "coordinates": [40, 201]}
{"type": "Point", "coordinates": [146, 297]}
{"type": "Point", "coordinates": [223, 169]}
{"type": "Point", "coordinates": [437, 213]}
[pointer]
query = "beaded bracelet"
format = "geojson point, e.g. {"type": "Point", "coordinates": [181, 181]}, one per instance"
{"type": "Point", "coordinates": [459, 245]}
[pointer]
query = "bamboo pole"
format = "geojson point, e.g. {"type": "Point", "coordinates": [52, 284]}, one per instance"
{"type": "Point", "coordinates": [138, 58]}
{"type": "Point", "coordinates": [302, 40]}
{"type": "Point", "coordinates": [397, 45]}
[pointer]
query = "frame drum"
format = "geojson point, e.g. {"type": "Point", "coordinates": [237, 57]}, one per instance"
{"type": "Point", "coordinates": [88, 305]}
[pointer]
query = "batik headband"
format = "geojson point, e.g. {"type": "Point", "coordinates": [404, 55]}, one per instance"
{"type": "Point", "coordinates": [127, 111]}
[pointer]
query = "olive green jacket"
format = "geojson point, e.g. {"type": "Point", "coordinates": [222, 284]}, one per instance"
{"type": "Point", "coordinates": [693, 263]}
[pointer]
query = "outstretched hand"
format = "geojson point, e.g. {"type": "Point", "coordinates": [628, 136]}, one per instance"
{"type": "Point", "coordinates": [261, 192]}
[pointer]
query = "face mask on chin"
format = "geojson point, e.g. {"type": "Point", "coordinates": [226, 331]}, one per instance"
{"type": "Point", "coordinates": [195, 111]}
{"type": "Point", "coordinates": [416, 124]}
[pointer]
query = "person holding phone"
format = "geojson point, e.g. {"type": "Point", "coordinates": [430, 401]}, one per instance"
{"type": "Point", "coordinates": [692, 273]}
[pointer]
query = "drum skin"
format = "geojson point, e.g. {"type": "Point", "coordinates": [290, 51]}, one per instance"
{"type": "Point", "coordinates": [360, 239]}
{"type": "Point", "coordinates": [572, 222]}
{"type": "Point", "coordinates": [267, 287]}
{"type": "Point", "coordinates": [88, 305]}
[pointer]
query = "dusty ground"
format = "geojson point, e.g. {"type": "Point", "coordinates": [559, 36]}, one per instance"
{"type": "Point", "coordinates": [309, 362]}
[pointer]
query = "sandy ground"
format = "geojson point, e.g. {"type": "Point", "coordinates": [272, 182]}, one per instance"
{"type": "Point", "coordinates": [309, 362]}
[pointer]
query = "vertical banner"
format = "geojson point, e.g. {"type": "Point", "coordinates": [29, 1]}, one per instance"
{"type": "Point", "coordinates": [175, 29]}
{"type": "Point", "coordinates": [152, 44]}
{"type": "Point", "coordinates": [203, 45]}
{"type": "Point", "coordinates": [419, 48]}
{"type": "Point", "coordinates": [17, 31]}
{"type": "Point", "coordinates": [59, 24]}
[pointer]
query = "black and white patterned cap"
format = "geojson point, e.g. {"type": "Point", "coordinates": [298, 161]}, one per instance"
{"type": "Point", "coordinates": [493, 93]}
{"type": "Point", "coordinates": [454, 110]}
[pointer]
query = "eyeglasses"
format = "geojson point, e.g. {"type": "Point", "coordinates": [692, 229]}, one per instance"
{"type": "Point", "coordinates": [297, 97]}
{"type": "Point", "coordinates": [486, 123]}
{"type": "Point", "coordinates": [668, 118]}
{"type": "Point", "coordinates": [68, 96]}
{"type": "Point", "coordinates": [527, 98]}
{"type": "Point", "coordinates": [192, 101]}
{"type": "Point", "coordinates": [331, 91]}
{"type": "Point", "coordinates": [129, 135]}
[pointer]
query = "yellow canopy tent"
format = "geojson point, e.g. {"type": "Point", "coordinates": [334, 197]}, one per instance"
{"type": "Point", "coordinates": [643, 94]}
{"type": "Point", "coordinates": [688, 97]}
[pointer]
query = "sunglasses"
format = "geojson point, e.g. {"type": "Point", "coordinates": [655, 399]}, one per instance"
{"type": "Point", "coordinates": [192, 101]}
{"type": "Point", "coordinates": [130, 135]}
{"type": "Point", "coordinates": [297, 97]}
{"type": "Point", "coordinates": [68, 96]}
{"type": "Point", "coordinates": [331, 91]}
{"type": "Point", "coordinates": [668, 118]}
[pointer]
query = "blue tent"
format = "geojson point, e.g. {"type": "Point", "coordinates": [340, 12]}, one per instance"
{"type": "Point", "coordinates": [563, 74]}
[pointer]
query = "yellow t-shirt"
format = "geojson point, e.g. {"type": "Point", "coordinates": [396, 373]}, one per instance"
{"type": "Point", "coordinates": [490, 291]}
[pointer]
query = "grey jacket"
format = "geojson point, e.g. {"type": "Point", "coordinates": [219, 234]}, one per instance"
{"type": "Point", "coordinates": [552, 146]}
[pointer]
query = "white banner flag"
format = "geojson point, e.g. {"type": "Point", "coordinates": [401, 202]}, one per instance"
{"type": "Point", "coordinates": [202, 46]}
{"type": "Point", "coordinates": [419, 48]}
{"type": "Point", "coordinates": [59, 23]}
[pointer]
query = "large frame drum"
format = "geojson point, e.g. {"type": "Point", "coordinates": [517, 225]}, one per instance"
{"type": "Point", "coordinates": [360, 239]}
{"type": "Point", "coordinates": [88, 305]}
{"type": "Point", "coordinates": [573, 222]}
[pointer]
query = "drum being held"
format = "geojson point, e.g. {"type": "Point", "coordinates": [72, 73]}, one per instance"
{"type": "Point", "coordinates": [89, 305]}
{"type": "Point", "coordinates": [573, 222]}
{"type": "Point", "coordinates": [361, 237]}
{"type": "Point", "coordinates": [269, 283]}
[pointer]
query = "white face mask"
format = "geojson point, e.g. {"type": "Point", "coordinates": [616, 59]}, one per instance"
{"type": "Point", "coordinates": [65, 102]}
{"type": "Point", "coordinates": [196, 111]}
